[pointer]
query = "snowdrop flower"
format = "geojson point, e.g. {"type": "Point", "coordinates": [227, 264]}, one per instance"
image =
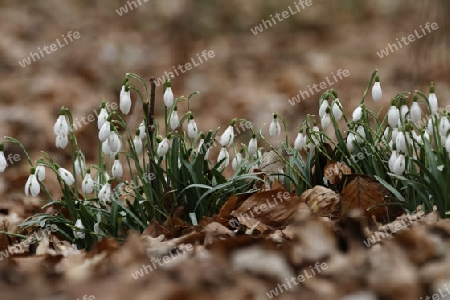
{"type": "Point", "coordinates": [105, 131]}
{"type": "Point", "coordinates": [392, 160]}
{"type": "Point", "coordinates": [61, 141]}
{"type": "Point", "coordinates": [192, 128]}
{"type": "Point", "coordinates": [79, 164]}
{"type": "Point", "coordinates": [400, 142]}
{"type": "Point", "coordinates": [377, 93]}
{"type": "Point", "coordinates": [40, 172]}
{"type": "Point", "coordinates": [142, 131]}
{"type": "Point", "coordinates": [137, 144]}
{"type": "Point", "coordinates": [300, 141]}
{"type": "Point", "coordinates": [102, 116]}
{"type": "Point", "coordinates": [174, 120]}
{"type": "Point", "coordinates": [336, 109]}
{"type": "Point", "coordinates": [393, 115]}
{"type": "Point", "coordinates": [323, 107]}
{"type": "Point", "coordinates": [61, 126]}
{"type": "Point", "coordinates": [403, 112]}
{"type": "Point", "coordinates": [357, 113]}
{"type": "Point", "coordinates": [223, 154]}
{"type": "Point", "coordinates": [361, 134]}
{"type": "Point", "coordinates": [325, 121]}
{"type": "Point", "coordinates": [447, 144]}
{"type": "Point", "coordinates": [66, 176]}
{"type": "Point", "coordinates": [202, 146]}
{"type": "Point", "coordinates": [168, 97]}
{"type": "Point", "coordinates": [274, 128]}
{"type": "Point", "coordinates": [430, 126]}
{"type": "Point", "coordinates": [432, 100]}
{"type": "Point", "coordinates": [78, 233]}
{"type": "Point", "coordinates": [3, 163]}
{"type": "Point", "coordinates": [399, 165]}
{"type": "Point", "coordinates": [237, 161]}
{"type": "Point", "coordinates": [415, 111]}
{"type": "Point", "coordinates": [226, 139]}
{"type": "Point", "coordinates": [105, 193]}
{"type": "Point", "coordinates": [32, 185]}
{"type": "Point", "coordinates": [87, 186]}
{"type": "Point", "coordinates": [252, 146]}
{"type": "Point", "coordinates": [125, 99]}
{"type": "Point", "coordinates": [117, 170]}
{"type": "Point", "coordinates": [163, 147]}
{"type": "Point", "coordinates": [114, 142]}
{"type": "Point", "coordinates": [105, 148]}
{"type": "Point", "coordinates": [444, 126]}
{"type": "Point", "coordinates": [350, 142]}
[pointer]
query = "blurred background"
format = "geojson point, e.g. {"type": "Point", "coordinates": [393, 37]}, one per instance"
{"type": "Point", "coordinates": [250, 76]}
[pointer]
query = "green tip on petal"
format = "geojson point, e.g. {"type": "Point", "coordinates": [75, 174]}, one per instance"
{"type": "Point", "coordinates": [169, 136]}
{"type": "Point", "coordinates": [2, 147]}
{"type": "Point", "coordinates": [116, 156]}
{"type": "Point", "coordinates": [62, 111]}
{"type": "Point", "coordinates": [138, 131]}
{"type": "Point", "coordinates": [33, 170]}
{"type": "Point", "coordinates": [88, 171]}
{"type": "Point", "coordinates": [328, 110]}
{"type": "Point", "coordinates": [191, 117]}
{"type": "Point", "coordinates": [253, 136]}
{"type": "Point", "coordinates": [415, 98]}
{"type": "Point", "coordinates": [275, 116]}
{"type": "Point", "coordinates": [335, 94]}
{"type": "Point", "coordinates": [377, 79]}
{"type": "Point", "coordinates": [432, 87]}
{"type": "Point", "coordinates": [175, 108]}
{"type": "Point", "coordinates": [233, 122]}
{"type": "Point", "coordinates": [125, 81]}
{"type": "Point", "coordinates": [202, 135]}
{"type": "Point", "coordinates": [393, 102]}
{"type": "Point", "coordinates": [103, 104]}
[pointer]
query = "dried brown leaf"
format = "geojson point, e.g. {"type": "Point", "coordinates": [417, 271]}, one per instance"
{"type": "Point", "coordinates": [323, 202]}
{"type": "Point", "coordinates": [334, 171]}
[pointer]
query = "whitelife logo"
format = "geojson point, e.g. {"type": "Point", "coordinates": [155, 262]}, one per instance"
{"type": "Point", "coordinates": [49, 49]}
{"type": "Point", "coordinates": [265, 24]}
{"type": "Point", "coordinates": [391, 48]}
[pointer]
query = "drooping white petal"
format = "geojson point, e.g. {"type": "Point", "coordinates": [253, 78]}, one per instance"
{"type": "Point", "coordinates": [105, 131]}
{"type": "Point", "coordinates": [223, 154]}
{"type": "Point", "coordinates": [350, 142]}
{"type": "Point", "coordinates": [125, 100]}
{"type": "Point", "coordinates": [226, 139]}
{"type": "Point", "coordinates": [361, 136]}
{"type": "Point", "coordinates": [174, 120]}
{"type": "Point", "coordinates": [336, 109]}
{"type": "Point", "coordinates": [79, 165]}
{"type": "Point", "coordinates": [325, 121]}
{"type": "Point", "coordinates": [192, 129]}
{"type": "Point", "coordinates": [142, 131]}
{"type": "Point", "coordinates": [300, 142]}
{"type": "Point", "coordinates": [105, 193]}
{"type": "Point", "coordinates": [102, 117]}
{"type": "Point", "coordinates": [168, 97]}
{"type": "Point", "coordinates": [66, 176]}
{"type": "Point", "coordinates": [323, 108]}
{"type": "Point", "coordinates": [415, 112]}
{"type": "Point", "coordinates": [400, 142]}
{"type": "Point", "coordinates": [117, 170]}
{"type": "Point", "coordinates": [377, 93]}
{"type": "Point", "coordinates": [237, 161]}
{"type": "Point", "coordinates": [392, 160]}
{"type": "Point", "coordinates": [61, 126]}
{"type": "Point", "coordinates": [61, 141]}
{"type": "Point", "coordinates": [399, 165]}
{"type": "Point", "coordinates": [403, 112]}
{"type": "Point", "coordinates": [274, 128]}
{"type": "Point", "coordinates": [252, 146]}
{"type": "Point", "coordinates": [137, 144]}
{"type": "Point", "coordinates": [114, 142]}
{"type": "Point", "coordinates": [393, 116]}
{"type": "Point", "coordinates": [163, 147]}
{"type": "Point", "coordinates": [433, 101]}
{"type": "Point", "coordinates": [3, 163]}
{"type": "Point", "coordinates": [40, 172]}
{"type": "Point", "coordinates": [78, 233]}
{"type": "Point", "coordinates": [87, 186]}
{"type": "Point", "coordinates": [357, 114]}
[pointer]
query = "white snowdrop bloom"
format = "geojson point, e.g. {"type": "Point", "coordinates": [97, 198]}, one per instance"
{"type": "Point", "coordinates": [174, 120]}
{"type": "Point", "coordinates": [252, 146]}
{"type": "Point", "coordinates": [392, 159]}
{"type": "Point", "coordinates": [300, 142]}
{"type": "Point", "coordinates": [399, 165]}
{"type": "Point", "coordinates": [79, 165]}
{"type": "Point", "coordinates": [323, 107]}
{"type": "Point", "coordinates": [350, 142]}
{"type": "Point", "coordinates": [87, 186]}
{"type": "Point", "coordinates": [163, 147]}
{"type": "Point", "coordinates": [114, 142]}
{"type": "Point", "coordinates": [3, 162]}
{"type": "Point", "coordinates": [102, 116]}
{"type": "Point", "coordinates": [403, 112]}
{"type": "Point", "coordinates": [426, 136]}
{"type": "Point", "coordinates": [192, 128]}
{"type": "Point", "coordinates": [415, 112]}
{"type": "Point", "coordinates": [393, 116]}
{"type": "Point", "coordinates": [336, 109]}
{"type": "Point", "coordinates": [394, 133]}
{"type": "Point", "coordinates": [168, 97]}
{"type": "Point", "coordinates": [125, 100]}
{"type": "Point", "coordinates": [377, 93]}
{"type": "Point", "coordinates": [357, 114]}
{"type": "Point", "coordinates": [325, 121]}
{"type": "Point", "coordinates": [444, 126]}
{"type": "Point", "coordinates": [78, 233]}
{"type": "Point", "coordinates": [417, 137]}
{"type": "Point", "coordinates": [117, 170]}
{"type": "Point", "coordinates": [361, 134]}
{"type": "Point", "coordinates": [237, 161]}
{"type": "Point", "coordinates": [430, 126]}
{"type": "Point", "coordinates": [274, 127]}
{"type": "Point", "coordinates": [400, 142]}
{"type": "Point", "coordinates": [432, 100]}
{"type": "Point", "coordinates": [202, 147]}
{"type": "Point", "coordinates": [105, 148]}
{"type": "Point", "coordinates": [137, 144]}
{"type": "Point", "coordinates": [226, 139]}
{"type": "Point", "coordinates": [32, 185]}
{"type": "Point", "coordinates": [142, 132]}
{"type": "Point", "coordinates": [61, 126]}
{"type": "Point", "coordinates": [61, 141]}
{"type": "Point", "coordinates": [40, 172]}
{"type": "Point", "coordinates": [223, 154]}
{"type": "Point", "coordinates": [447, 144]}
{"type": "Point", "coordinates": [66, 176]}
{"type": "Point", "coordinates": [386, 133]}
{"type": "Point", "coordinates": [105, 131]}
{"type": "Point", "coordinates": [105, 193]}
